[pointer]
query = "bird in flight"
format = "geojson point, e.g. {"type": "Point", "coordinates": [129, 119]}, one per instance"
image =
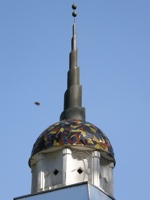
{"type": "Point", "coordinates": [37, 103]}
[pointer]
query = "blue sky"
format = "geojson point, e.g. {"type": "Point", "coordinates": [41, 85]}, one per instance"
{"type": "Point", "coordinates": [113, 39]}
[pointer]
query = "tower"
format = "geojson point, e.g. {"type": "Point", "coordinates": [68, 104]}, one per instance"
{"type": "Point", "coordinates": [72, 159]}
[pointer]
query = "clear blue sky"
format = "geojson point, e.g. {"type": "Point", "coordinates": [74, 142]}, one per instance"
{"type": "Point", "coordinates": [113, 38]}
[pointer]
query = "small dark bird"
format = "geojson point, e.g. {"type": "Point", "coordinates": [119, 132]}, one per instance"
{"type": "Point", "coordinates": [37, 103]}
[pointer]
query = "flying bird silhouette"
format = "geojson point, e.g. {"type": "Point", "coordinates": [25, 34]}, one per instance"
{"type": "Point", "coordinates": [37, 103]}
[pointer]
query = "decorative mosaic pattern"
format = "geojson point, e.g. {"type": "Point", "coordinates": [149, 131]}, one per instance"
{"type": "Point", "coordinates": [73, 132]}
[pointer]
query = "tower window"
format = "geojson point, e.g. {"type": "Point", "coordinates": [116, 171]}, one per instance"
{"type": "Point", "coordinates": [80, 171]}
{"type": "Point", "coordinates": [55, 172]}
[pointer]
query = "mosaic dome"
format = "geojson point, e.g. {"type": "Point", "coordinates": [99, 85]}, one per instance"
{"type": "Point", "coordinates": [73, 132]}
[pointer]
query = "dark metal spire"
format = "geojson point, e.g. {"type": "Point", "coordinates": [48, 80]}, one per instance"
{"type": "Point", "coordinates": [73, 96]}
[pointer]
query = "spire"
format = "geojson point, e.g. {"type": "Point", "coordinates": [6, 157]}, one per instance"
{"type": "Point", "coordinates": [73, 96]}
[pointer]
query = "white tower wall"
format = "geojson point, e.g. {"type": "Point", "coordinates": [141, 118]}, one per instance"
{"type": "Point", "coordinates": [69, 166]}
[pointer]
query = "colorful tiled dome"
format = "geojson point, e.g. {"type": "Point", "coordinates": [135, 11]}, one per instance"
{"type": "Point", "coordinates": [73, 132]}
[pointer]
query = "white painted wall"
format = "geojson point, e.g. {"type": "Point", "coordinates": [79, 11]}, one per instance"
{"type": "Point", "coordinates": [69, 166]}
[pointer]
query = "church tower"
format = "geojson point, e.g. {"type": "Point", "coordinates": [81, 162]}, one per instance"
{"type": "Point", "coordinates": [73, 158]}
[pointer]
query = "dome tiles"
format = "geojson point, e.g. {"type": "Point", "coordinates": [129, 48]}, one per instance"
{"type": "Point", "coordinates": [72, 132]}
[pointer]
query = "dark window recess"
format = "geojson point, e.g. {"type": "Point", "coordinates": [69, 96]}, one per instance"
{"type": "Point", "coordinates": [55, 172]}
{"type": "Point", "coordinates": [80, 171]}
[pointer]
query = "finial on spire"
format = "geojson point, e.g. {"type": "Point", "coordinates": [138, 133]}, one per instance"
{"type": "Point", "coordinates": [73, 96]}
{"type": "Point", "coordinates": [74, 13]}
